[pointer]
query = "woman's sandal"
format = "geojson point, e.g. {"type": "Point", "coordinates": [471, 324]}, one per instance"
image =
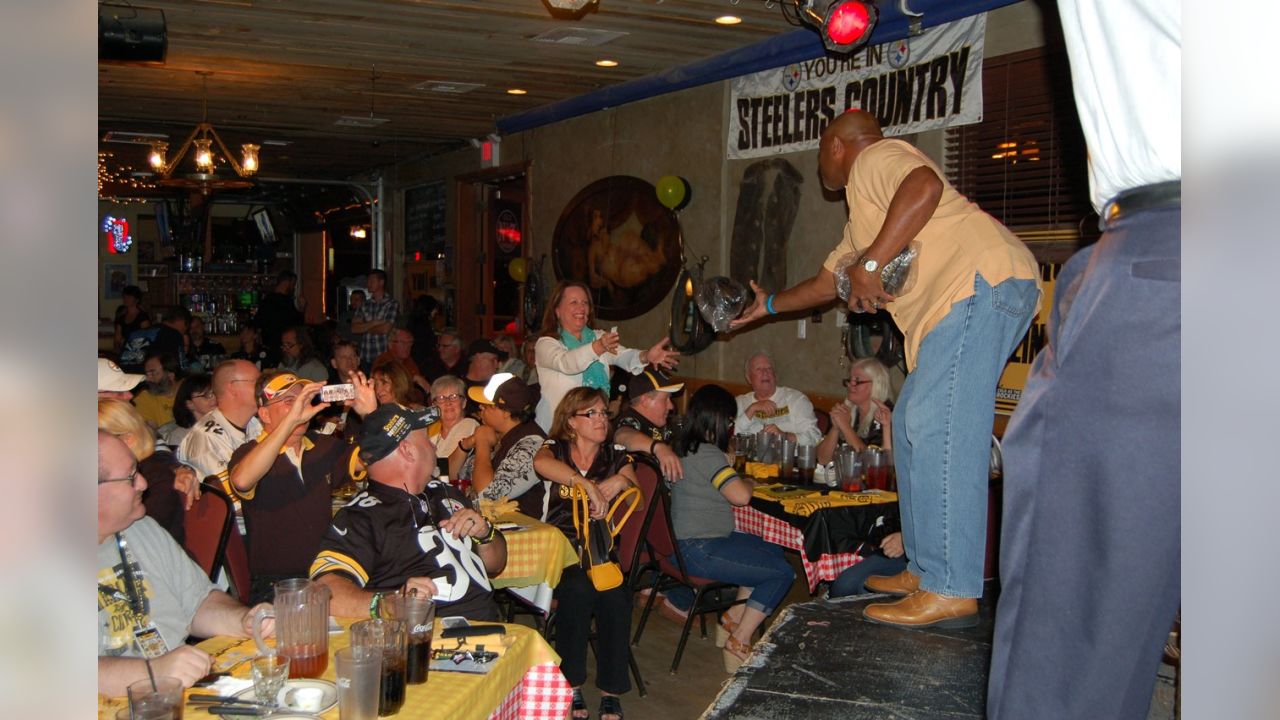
{"type": "Point", "coordinates": [724, 628]}
{"type": "Point", "coordinates": [579, 706]}
{"type": "Point", "coordinates": [610, 705]}
{"type": "Point", "coordinates": [736, 652]}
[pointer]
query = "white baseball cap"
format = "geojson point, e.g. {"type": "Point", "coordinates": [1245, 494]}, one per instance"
{"type": "Point", "coordinates": [112, 379]}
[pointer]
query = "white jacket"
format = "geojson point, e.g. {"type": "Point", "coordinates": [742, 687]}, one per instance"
{"type": "Point", "coordinates": [560, 370]}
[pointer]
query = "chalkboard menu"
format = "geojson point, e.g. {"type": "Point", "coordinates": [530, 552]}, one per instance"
{"type": "Point", "coordinates": [424, 218]}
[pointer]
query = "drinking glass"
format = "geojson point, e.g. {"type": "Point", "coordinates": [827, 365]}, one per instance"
{"type": "Point", "coordinates": [849, 465]}
{"type": "Point", "coordinates": [154, 702]}
{"type": "Point", "coordinates": [359, 676]}
{"type": "Point", "coordinates": [389, 638]}
{"type": "Point", "coordinates": [418, 613]}
{"type": "Point", "coordinates": [269, 673]}
{"type": "Point", "coordinates": [877, 464]}
{"type": "Point", "coordinates": [786, 459]}
{"type": "Point", "coordinates": [806, 460]}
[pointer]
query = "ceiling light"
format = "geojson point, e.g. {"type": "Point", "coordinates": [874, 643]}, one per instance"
{"type": "Point", "coordinates": [728, 20]}
{"type": "Point", "coordinates": [606, 62]}
{"type": "Point", "coordinates": [202, 138]}
{"type": "Point", "coordinates": [517, 91]}
{"type": "Point", "coordinates": [571, 5]}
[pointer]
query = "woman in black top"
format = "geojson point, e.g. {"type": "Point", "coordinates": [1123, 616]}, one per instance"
{"type": "Point", "coordinates": [579, 454]}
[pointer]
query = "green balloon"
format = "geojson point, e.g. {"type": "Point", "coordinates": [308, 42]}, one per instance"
{"type": "Point", "coordinates": [671, 191]}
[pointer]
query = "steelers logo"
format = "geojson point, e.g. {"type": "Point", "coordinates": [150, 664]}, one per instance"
{"type": "Point", "coordinates": [899, 54]}
{"type": "Point", "coordinates": [791, 77]}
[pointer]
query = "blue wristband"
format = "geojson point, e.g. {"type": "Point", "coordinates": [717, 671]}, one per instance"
{"type": "Point", "coordinates": [768, 305]}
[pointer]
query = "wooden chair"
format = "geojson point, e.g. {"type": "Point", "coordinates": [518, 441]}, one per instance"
{"type": "Point", "coordinates": [661, 545]}
{"type": "Point", "coordinates": [209, 524]}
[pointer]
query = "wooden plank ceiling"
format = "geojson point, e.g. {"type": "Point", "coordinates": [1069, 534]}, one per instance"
{"type": "Point", "coordinates": [287, 70]}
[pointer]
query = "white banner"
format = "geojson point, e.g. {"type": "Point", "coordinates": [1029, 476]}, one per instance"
{"type": "Point", "coordinates": [927, 82]}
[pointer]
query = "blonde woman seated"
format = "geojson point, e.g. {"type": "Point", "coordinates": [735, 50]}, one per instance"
{"type": "Point", "coordinates": [171, 486]}
{"type": "Point", "coordinates": [502, 465]}
{"type": "Point", "coordinates": [449, 394]}
{"type": "Point", "coordinates": [863, 418]}
{"type": "Point", "coordinates": [579, 454]}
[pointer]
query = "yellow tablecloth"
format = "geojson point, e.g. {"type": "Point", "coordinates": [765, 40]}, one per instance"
{"type": "Point", "coordinates": [445, 695]}
{"type": "Point", "coordinates": [536, 555]}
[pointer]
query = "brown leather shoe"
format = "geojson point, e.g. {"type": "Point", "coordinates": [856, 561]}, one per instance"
{"type": "Point", "coordinates": [925, 609]}
{"type": "Point", "coordinates": [902, 584]}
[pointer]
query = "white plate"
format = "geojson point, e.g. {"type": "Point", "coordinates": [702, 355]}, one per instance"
{"type": "Point", "coordinates": [328, 698]}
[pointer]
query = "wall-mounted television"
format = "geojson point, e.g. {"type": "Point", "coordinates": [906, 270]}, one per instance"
{"type": "Point", "coordinates": [266, 229]}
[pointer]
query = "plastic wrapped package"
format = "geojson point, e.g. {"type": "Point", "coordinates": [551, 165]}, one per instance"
{"type": "Point", "coordinates": [721, 299]}
{"type": "Point", "coordinates": [897, 275]}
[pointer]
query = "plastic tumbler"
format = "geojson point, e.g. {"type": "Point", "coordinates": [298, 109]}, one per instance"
{"type": "Point", "coordinates": [359, 676]}
{"type": "Point", "coordinates": [786, 459]}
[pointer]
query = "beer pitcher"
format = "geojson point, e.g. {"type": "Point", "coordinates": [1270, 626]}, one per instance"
{"type": "Point", "coordinates": [301, 611]}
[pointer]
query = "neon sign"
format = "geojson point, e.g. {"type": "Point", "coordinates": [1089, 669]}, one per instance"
{"type": "Point", "coordinates": [117, 231]}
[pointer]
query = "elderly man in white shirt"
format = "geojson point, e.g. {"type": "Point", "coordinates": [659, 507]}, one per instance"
{"type": "Point", "coordinates": [774, 409]}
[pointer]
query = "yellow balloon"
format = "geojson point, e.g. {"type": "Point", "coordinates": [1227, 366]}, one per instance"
{"type": "Point", "coordinates": [671, 190]}
{"type": "Point", "coordinates": [518, 269]}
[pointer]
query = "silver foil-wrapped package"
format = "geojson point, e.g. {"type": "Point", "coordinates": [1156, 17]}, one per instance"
{"type": "Point", "coordinates": [721, 299]}
{"type": "Point", "coordinates": [897, 275]}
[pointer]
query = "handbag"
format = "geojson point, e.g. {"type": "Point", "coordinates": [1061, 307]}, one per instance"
{"type": "Point", "coordinates": [596, 535]}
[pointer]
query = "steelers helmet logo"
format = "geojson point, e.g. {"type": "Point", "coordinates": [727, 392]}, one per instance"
{"type": "Point", "coordinates": [791, 77]}
{"type": "Point", "coordinates": [899, 54]}
{"type": "Point", "coordinates": [452, 506]}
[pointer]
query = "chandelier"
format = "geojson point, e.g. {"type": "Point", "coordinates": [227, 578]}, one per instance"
{"type": "Point", "coordinates": [203, 139]}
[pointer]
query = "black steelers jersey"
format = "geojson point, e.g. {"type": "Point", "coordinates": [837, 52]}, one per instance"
{"type": "Point", "coordinates": [385, 536]}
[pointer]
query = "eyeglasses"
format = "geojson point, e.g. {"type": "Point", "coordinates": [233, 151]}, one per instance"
{"type": "Point", "coordinates": [131, 478]}
{"type": "Point", "coordinates": [205, 394]}
{"type": "Point", "coordinates": [593, 414]}
{"type": "Point", "coordinates": [847, 382]}
{"type": "Point", "coordinates": [447, 398]}
{"type": "Point", "coordinates": [288, 346]}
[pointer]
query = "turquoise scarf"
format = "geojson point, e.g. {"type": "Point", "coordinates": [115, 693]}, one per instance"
{"type": "Point", "coordinates": [595, 376]}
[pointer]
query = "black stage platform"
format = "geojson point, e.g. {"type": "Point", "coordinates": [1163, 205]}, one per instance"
{"type": "Point", "coordinates": [821, 659]}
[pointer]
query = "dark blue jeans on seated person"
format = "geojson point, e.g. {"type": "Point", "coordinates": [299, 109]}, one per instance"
{"type": "Point", "coordinates": [740, 559]}
{"type": "Point", "coordinates": [850, 581]}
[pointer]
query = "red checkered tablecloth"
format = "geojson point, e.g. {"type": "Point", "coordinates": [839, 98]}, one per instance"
{"type": "Point", "coordinates": [543, 694]}
{"type": "Point", "coordinates": [827, 567]}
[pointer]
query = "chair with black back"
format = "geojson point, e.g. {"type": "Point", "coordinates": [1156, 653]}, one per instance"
{"type": "Point", "coordinates": [709, 596]}
{"type": "Point", "coordinates": [209, 523]}
{"type": "Point", "coordinates": [824, 420]}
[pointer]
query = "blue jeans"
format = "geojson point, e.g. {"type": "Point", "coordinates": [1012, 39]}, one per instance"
{"type": "Point", "coordinates": [942, 434]}
{"type": "Point", "coordinates": [850, 581]}
{"type": "Point", "coordinates": [745, 560]}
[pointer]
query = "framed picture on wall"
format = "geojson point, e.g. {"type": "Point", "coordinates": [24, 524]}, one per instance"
{"type": "Point", "coordinates": [616, 237]}
{"type": "Point", "coordinates": [114, 279]}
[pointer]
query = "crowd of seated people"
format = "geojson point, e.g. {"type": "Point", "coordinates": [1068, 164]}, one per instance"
{"type": "Point", "coordinates": [467, 411]}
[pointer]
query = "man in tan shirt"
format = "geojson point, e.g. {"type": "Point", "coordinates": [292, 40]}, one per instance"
{"type": "Point", "coordinates": [968, 299]}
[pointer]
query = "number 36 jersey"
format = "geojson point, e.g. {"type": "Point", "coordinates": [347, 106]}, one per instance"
{"type": "Point", "coordinates": [385, 536]}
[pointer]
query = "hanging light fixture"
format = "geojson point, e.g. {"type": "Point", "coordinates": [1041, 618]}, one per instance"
{"type": "Point", "coordinates": [203, 139]}
{"type": "Point", "coordinates": [845, 25]}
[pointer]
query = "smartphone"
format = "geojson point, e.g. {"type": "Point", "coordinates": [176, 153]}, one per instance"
{"type": "Point", "coordinates": [337, 393]}
{"type": "Point", "coordinates": [471, 630]}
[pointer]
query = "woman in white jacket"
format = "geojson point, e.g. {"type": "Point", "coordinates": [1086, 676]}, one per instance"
{"type": "Point", "coordinates": [570, 353]}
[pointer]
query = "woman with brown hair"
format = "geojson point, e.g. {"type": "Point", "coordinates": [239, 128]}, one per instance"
{"type": "Point", "coordinates": [391, 383]}
{"type": "Point", "coordinates": [580, 455]}
{"type": "Point", "coordinates": [570, 353]}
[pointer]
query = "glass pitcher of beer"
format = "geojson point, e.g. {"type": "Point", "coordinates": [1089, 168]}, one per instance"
{"type": "Point", "coordinates": [301, 611]}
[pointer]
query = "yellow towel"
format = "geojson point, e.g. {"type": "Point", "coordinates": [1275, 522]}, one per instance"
{"type": "Point", "coordinates": [806, 506]}
{"type": "Point", "coordinates": [778, 491]}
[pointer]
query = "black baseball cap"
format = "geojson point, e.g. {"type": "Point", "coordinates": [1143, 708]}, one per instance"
{"type": "Point", "coordinates": [649, 381]}
{"type": "Point", "coordinates": [384, 429]}
{"type": "Point", "coordinates": [485, 346]}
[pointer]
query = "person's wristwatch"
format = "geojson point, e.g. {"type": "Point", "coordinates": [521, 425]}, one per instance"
{"type": "Point", "coordinates": [870, 265]}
